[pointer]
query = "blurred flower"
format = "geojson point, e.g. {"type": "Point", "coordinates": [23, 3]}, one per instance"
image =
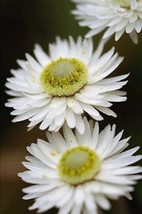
{"type": "Point", "coordinates": [77, 172]}
{"type": "Point", "coordinates": [118, 16]}
{"type": "Point", "coordinates": [66, 83]}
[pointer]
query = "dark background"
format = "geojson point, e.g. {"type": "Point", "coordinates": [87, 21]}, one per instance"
{"type": "Point", "coordinates": [24, 23]}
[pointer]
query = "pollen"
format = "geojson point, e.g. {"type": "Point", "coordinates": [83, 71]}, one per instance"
{"type": "Point", "coordinates": [64, 77]}
{"type": "Point", "coordinates": [78, 165]}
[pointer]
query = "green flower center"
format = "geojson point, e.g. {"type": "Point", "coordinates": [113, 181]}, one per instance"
{"type": "Point", "coordinates": [78, 165]}
{"type": "Point", "coordinates": [123, 3]}
{"type": "Point", "coordinates": [64, 77]}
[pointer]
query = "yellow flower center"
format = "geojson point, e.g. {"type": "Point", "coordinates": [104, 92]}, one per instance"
{"type": "Point", "coordinates": [78, 165]}
{"type": "Point", "coordinates": [123, 3]}
{"type": "Point", "coordinates": [64, 77]}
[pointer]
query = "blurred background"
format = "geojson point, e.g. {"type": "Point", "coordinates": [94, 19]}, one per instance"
{"type": "Point", "coordinates": [24, 23]}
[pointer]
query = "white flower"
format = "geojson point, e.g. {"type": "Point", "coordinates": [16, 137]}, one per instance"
{"type": "Point", "coordinates": [116, 16]}
{"type": "Point", "coordinates": [63, 85]}
{"type": "Point", "coordinates": [79, 173]}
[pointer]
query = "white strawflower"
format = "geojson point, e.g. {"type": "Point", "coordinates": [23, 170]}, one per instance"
{"type": "Point", "coordinates": [116, 16]}
{"type": "Point", "coordinates": [79, 173]}
{"type": "Point", "coordinates": [66, 83]}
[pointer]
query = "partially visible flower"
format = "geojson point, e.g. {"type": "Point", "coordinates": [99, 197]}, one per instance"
{"type": "Point", "coordinates": [63, 85]}
{"type": "Point", "coordinates": [114, 16]}
{"type": "Point", "coordinates": [79, 173]}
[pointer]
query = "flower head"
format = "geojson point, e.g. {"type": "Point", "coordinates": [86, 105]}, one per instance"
{"type": "Point", "coordinates": [114, 16]}
{"type": "Point", "coordinates": [78, 173]}
{"type": "Point", "coordinates": [64, 84]}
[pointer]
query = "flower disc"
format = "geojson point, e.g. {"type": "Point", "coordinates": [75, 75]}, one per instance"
{"type": "Point", "coordinates": [78, 165]}
{"type": "Point", "coordinates": [64, 77]}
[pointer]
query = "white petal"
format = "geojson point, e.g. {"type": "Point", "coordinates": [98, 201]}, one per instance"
{"type": "Point", "coordinates": [102, 202]}
{"type": "Point", "coordinates": [69, 136]}
{"type": "Point", "coordinates": [91, 111]}
{"type": "Point", "coordinates": [70, 118]}
{"type": "Point", "coordinates": [80, 124]}
{"type": "Point", "coordinates": [41, 56]}
{"type": "Point", "coordinates": [34, 63]}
